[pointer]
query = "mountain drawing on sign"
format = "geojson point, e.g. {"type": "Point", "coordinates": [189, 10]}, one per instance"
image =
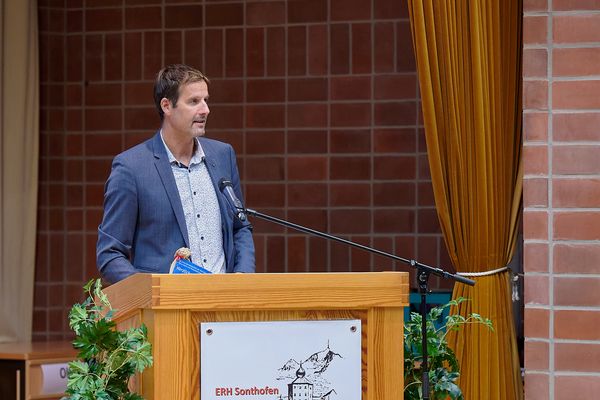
{"type": "Point", "coordinates": [315, 365]}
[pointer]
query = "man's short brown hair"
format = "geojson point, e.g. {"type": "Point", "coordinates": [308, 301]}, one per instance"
{"type": "Point", "coordinates": [170, 79]}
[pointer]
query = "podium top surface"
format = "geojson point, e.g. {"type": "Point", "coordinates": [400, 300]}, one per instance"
{"type": "Point", "coordinates": [260, 291]}
{"type": "Point", "coordinates": [36, 350]}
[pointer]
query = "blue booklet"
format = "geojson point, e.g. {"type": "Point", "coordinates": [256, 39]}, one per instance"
{"type": "Point", "coordinates": [183, 266]}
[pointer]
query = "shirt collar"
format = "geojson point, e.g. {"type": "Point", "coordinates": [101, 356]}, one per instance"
{"type": "Point", "coordinates": [197, 157]}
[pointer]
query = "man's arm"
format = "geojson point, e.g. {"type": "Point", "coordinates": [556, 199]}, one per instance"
{"type": "Point", "coordinates": [243, 244]}
{"type": "Point", "coordinates": [117, 230]}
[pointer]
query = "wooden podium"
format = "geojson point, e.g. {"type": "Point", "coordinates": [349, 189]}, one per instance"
{"type": "Point", "coordinates": [173, 306]}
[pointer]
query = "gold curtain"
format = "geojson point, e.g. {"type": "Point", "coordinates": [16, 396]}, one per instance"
{"type": "Point", "coordinates": [19, 128]}
{"type": "Point", "coordinates": [468, 56]}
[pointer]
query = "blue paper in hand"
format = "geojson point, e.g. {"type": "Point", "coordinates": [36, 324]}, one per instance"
{"type": "Point", "coordinates": [183, 266]}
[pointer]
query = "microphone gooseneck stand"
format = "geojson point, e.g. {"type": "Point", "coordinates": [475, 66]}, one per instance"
{"type": "Point", "coordinates": [423, 273]}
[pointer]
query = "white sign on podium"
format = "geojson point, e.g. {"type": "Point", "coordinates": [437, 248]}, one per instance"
{"type": "Point", "coordinates": [291, 360]}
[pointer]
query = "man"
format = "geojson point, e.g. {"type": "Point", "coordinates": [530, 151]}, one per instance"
{"type": "Point", "coordinates": [164, 194]}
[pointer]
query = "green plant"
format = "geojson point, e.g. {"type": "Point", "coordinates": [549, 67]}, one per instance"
{"type": "Point", "coordinates": [107, 357]}
{"type": "Point", "coordinates": [443, 365]}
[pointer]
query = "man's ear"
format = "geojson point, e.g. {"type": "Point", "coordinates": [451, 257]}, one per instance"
{"type": "Point", "coordinates": [165, 104]}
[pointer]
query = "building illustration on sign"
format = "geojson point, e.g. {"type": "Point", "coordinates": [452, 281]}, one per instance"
{"type": "Point", "coordinates": [309, 377]}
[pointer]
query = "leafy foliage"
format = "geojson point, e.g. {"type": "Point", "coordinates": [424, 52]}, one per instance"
{"type": "Point", "coordinates": [442, 363]}
{"type": "Point", "coordinates": [107, 357]}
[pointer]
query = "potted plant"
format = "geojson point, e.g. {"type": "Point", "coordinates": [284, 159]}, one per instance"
{"type": "Point", "coordinates": [443, 365]}
{"type": "Point", "coordinates": [107, 358]}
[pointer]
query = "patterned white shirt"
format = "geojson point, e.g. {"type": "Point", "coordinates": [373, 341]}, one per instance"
{"type": "Point", "coordinates": [201, 210]}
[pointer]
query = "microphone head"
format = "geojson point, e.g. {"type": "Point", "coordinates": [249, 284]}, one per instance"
{"type": "Point", "coordinates": [223, 183]}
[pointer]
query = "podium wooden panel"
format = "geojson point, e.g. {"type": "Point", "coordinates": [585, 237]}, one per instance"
{"type": "Point", "coordinates": [173, 306]}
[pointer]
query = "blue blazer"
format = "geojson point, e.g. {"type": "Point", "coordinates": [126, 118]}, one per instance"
{"type": "Point", "coordinates": [144, 224]}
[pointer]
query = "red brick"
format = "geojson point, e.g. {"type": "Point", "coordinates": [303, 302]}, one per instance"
{"type": "Point", "coordinates": [74, 21]}
{"type": "Point", "coordinates": [141, 118]}
{"type": "Point", "coordinates": [398, 194]}
{"type": "Point", "coordinates": [535, 225]}
{"type": "Point", "coordinates": [535, 29]}
{"type": "Point", "coordinates": [535, 127]}
{"type": "Point", "coordinates": [573, 5]}
{"type": "Point", "coordinates": [192, 54]}
{"type": "Point", "coordinates": [535, 5]}
{"type": "Point", "coordinates": [307, 141]}
{"type": "Point", "coordinates": [535, 160]}
{"type": "Point", "coordinates": [307, 115]}
{"type": "Point", "coordinates": [535, 63]}
{"type": "Point", "coordinates": [103, 94]}
{"type": "Point", "coordinates": [307, 10]}
{"type": "Point", "coordinates": [383, 52]}
{"type": "Point", "coordinates": [574, 127]}
{"type": "Point", "coordinates": [576, 62]}
{"type": "Point", "coordinates": [405, 56]}
{"type": "Point", "coordinates": [275, 51]}
{"type": "Point", "coordinates": [267, 142]}
{"type": "Point", "coordinates": [296, 50]}
{"type": "Point", "coordinates": [535, 192]}
{"type": "Point", "coordinates": [361, 48]}
{"type": "Point", "coordinates": [350, 141]}
{"type": "Point", "coordinates": [394, 140]}
{"type": "Point", "coordinates": [311, 218]}
{"type": "Point", "coordinates": [306, 168]}
{"type": "Point", "coordinates": [307, 89]}
{"type": "Point", "coordinates": [535, 95]}
{"type": "Point", "coordinates": [265, 169]}
{"type": "Point", "coordinates": [576, 325]}
{"type": "Point", "coordinates": [395, 87]}
{"type": "Point", "coordinates": [93, 57]}
{"type": "Point", "coordinates": [307, 195]}
{"type": "Point", "coordinates": [535, 257]}
{"type": "Point", "coordinates": [385, 9]}
{"type": "Point", "coordinates": [226, 117]}
{"type": "Point", "coordinates": [428, 221]}
{"type": "Point", "coordinates": [224, 14]}
{"type": "Point", "coordinates": [584, 193]}
{"type": "Point", "coordinates": [537, 322]}
{"type": "Point", "coordinates": [152, 54]}
{"type": "Point", "coordinates": [139, 93]}
{"type": "Point", "coordinates": [389, 114]}
{"type": "Point", "coordinates": [576, 28]}
{"type": "Point", "coordinates": [537, 386]}
{"type": "Point", "coordinates": [339, 48]}
{"type": "Point", "coordinates": [267, 116]}
{"type": "Point", "coordinates": [213, 53]}
{"type": "Point", "coordinates": [74, 58]}
{"type": "Point", "coordinates": [234, 52]}
{"type": "Point", "coordinates": [265, 195]}
{"type": "Point", "coordinates": [255, 51]}
{"type": "Point", "coordinates": [265, 90]}
{"type": "Point", "coordinates": [536, 355]}
{"type": "Point", "coordinates": [348, 10]}
{"type": "Point", "coordinates": [578, 160]}
{"type": "Point", "coordinates": [351, 114]}
{"type": "Point", "coordinates": [425, 192]}
{"type": "Point", "coordinates": [394, 167]}
{"type": "Point", "coordinates": [350, 168]}
{"type": "Point", "coordinates": [350, 221]}
{"type": "Point", "coordinates": [296, 253]}
{"type": "Point", "coordinates": [133, 61]}
{"type": "Point", "coordinates": [318, 50]}
{"type": "Point", "coordinates": [186, 16]}
{"type": "Point", "coordinates": [576, 387]}
{"type": "Point", "coordinates": [107, 19]}
{"type": "Point", "coordinates": [577, 357]}
{"type": "Point", "coordinates": [394, 221]}
{"type": "Point", "coordinates": [339, 256]}
{"type": "Point", "coordinates": [581, 291]}
{"type": "Point", "coordinates": [572, 258]}
{"type": "Point", "coordinates": [577, 225]}
{"type": "Point", "coordinates": [350, 88]}
{"type": "Point", "coordinates": [275, 254]}
{"type": "Point", "coordinates": [97, 170]}
{"type": "Point", "coordinates": [108, 119]}
{"type": "Point", "coordinates": [536, 289]}
{"type": "Point", "coordinates": [143, 18]}
{"type": "Point", "coordinates": [173, 52]}
{"type": "Point", "coordinates": [265, 13]}
{"type": "Point", "coordinates": [113, 46]}
{"type": "Point", "coordinates": [576, 94]}
{"type": "Point", "coordinates": [350, 195]}
{"type": "Point", "coordinates": [318, 254]}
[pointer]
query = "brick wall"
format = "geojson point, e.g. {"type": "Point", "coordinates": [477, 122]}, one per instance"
{"type": "Point", "coordinates": [319, 99]}
{"type": "Point", "coordinates": [561, 69]}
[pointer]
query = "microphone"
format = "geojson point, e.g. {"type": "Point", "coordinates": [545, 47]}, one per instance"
{"type": "Point", "coordinates": [226, 188]}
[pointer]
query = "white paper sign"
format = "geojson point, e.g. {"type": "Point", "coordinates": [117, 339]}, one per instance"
{"type": "Point", "coordinates": [54, 378]}
{"type": "Point", "coordinates": [288, 360]}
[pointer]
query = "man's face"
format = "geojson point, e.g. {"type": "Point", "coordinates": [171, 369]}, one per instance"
{"type": "Point", "coordinates": [189, 116]}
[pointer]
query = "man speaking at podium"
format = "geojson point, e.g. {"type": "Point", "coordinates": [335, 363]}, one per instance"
{"type": "Point", "coordinates": [163, 194]}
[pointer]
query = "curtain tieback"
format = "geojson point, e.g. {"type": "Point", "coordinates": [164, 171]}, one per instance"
{"type": "Point", "coordinates": [483, 273]}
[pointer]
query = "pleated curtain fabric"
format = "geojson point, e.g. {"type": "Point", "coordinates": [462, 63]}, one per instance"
{"type": "Point", "coordinates": [468, 56]}
{"type": "Point", "coordinates": [19, 150]}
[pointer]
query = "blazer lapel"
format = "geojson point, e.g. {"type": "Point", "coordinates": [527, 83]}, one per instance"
{"type": "Point", "coordinates": [161, 162]}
